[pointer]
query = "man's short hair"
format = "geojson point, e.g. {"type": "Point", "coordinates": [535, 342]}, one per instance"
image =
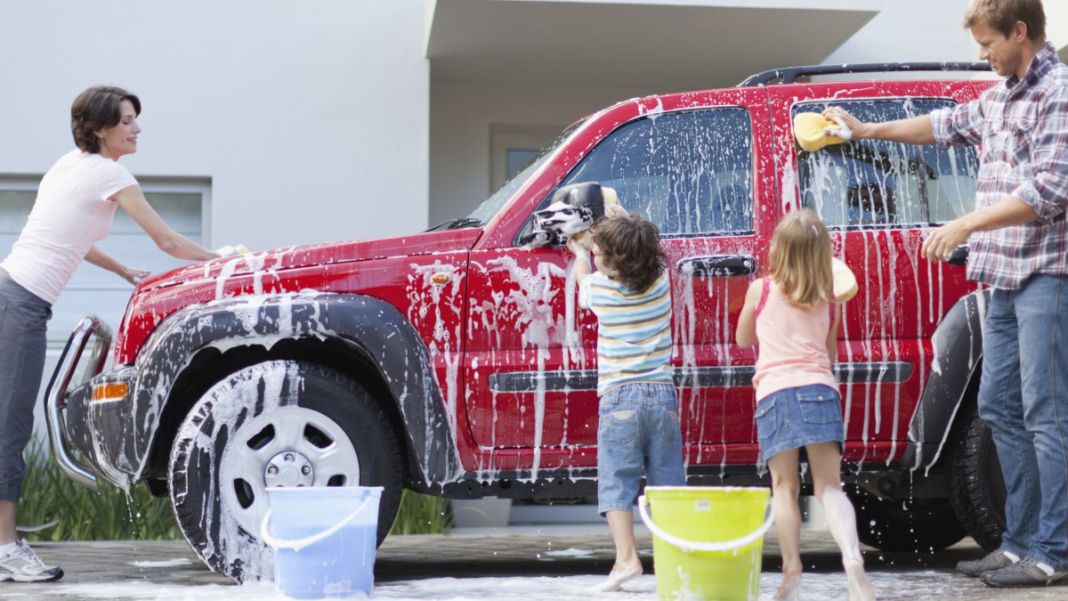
{"type": "Point", "coordinates": [1002, 15]}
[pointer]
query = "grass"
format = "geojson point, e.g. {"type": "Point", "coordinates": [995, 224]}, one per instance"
{"type": "Point", "coordinates": [111, 514]}
{"type": "Point", "coordinates": [421, 514]}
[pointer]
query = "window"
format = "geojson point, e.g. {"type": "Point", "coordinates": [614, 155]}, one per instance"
{"type": "Point", "coordinates": [687, 172]}
{"type": "Point", "coordinates": [514, 147]}
{"type": "Point", "coordinates": [873, 183]}
{"type": "Point", "coordinates": [91, 289]}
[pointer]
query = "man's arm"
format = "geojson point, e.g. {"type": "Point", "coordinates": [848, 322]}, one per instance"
{"type": "Point", "coordinates": [914, 130]}
{"type": "Point", "coordinates": [1004, 213]}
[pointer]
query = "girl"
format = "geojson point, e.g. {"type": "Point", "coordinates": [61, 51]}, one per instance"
{"type": "Point", "coordinates": [75, 204]}
{"type": "Point", "coordinates": [792, 315]}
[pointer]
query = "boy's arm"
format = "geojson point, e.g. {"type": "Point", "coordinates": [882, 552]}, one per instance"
{"type": "Point", "coordinates": [581, 269]}
{"type": "Point", "coordinates": [745, 336]}
{"type": "Point", "coordinates": [832, 335]}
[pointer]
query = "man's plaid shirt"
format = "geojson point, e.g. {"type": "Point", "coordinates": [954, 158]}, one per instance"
{"type": "Point", "coordinates": [1023, 128]}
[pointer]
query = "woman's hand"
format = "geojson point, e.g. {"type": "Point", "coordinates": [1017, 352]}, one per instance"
{"type": "Point", "coordinates": [134, 275]}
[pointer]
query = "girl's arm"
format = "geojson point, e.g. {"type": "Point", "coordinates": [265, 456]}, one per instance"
{"type": "Point", "coordinates": [105, 261]}
{"type": "Point", "coordinates": [133, 201]}
{"type": "Point", "coordinates": [746, 334]}
{"type": "Point", "coordinates": [832, 335]}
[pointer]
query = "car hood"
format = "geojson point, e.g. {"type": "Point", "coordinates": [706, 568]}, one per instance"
{"type": "Point", "coordinates": [311, 255]}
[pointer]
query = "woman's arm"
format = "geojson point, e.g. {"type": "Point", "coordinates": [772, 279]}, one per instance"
{"type": "Point", "coordinates": [132, 200]}
{"type": "Point", "coordinates": [746, 336]}
{"type": "Point", "coordinates": [832, 335]}
{"type": "Point", "coordinates": [103, 260]}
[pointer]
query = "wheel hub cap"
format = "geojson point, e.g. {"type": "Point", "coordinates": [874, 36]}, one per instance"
{"type": "Point", "coordinates": [289, 469]}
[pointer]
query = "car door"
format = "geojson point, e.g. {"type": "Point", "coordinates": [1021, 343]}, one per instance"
{"type": "Point", "coordinates": [690, 165]}
{"type": "Point", "coordinates": [880, 200]}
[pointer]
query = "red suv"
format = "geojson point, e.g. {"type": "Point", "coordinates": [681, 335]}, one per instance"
{"type": "Point", "coordinates": [456, 362]}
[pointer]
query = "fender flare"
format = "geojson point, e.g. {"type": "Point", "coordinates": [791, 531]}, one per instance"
{"type": "Point", "coordinates": [958, 353]}
{"type": "Point", "coordinates": [373, 326]}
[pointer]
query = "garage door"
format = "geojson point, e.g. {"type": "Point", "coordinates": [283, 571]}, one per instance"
{"type": "Point", "coordinates": [92, 289]}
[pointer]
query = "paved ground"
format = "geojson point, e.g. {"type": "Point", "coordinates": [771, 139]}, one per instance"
{"type": "Point", "coordinates": [168, 570]}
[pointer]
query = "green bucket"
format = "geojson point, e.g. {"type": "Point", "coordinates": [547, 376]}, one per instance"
{"type": "Point", "coordinates": [707, 541]}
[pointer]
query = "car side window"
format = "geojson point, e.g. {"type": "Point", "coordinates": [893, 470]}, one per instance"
{"type": "Point", "coordinates": [873, 183]}
{"type": "Point", "coordinates": [688, 172]}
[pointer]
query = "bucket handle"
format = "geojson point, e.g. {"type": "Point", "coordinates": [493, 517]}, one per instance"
{"type": "Point", "coordinates": [688, 545]}
{"type": "Point", "coordinates": [300, 543]}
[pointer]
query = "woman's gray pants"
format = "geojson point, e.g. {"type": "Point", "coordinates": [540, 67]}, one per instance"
{"type": "Point", "coordinates": [23, 317]}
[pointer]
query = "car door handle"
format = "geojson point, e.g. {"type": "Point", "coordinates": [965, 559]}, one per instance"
{"type": "Point", "coordinates": [717, 265]}
{"type": "Point", "coordinates": [959, 256]}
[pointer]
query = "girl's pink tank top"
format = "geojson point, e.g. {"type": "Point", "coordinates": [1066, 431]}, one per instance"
{"type": "Point", "coordinates": [793, 343]}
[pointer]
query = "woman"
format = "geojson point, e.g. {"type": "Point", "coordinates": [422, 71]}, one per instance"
{"type": "Point", "coordinates": [74, 209]}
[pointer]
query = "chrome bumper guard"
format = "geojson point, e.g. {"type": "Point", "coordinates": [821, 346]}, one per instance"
{"type": "Point", "coordinates": [55, 398]}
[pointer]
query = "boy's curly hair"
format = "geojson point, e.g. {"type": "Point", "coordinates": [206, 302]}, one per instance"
{"type": "Point", "coordinates": [630, 247]}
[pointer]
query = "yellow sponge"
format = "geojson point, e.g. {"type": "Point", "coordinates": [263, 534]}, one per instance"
{"type": "Point", "coordinates": [845, 283]}
{"type": "Point", "coordinates": [810, 131]}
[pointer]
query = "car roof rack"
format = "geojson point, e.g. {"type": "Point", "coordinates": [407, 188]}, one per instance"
{"type": "Point", "coordinates": [790, 74]}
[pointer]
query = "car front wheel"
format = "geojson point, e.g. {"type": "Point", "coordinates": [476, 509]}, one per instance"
{"type": "Point", "coordinates": [278, 423]}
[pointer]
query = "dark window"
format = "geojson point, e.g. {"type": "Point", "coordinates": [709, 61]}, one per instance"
{"type": "Point", "coordinates": [870, 183]}
{"type": "Point", "coordinates": [688, 172]}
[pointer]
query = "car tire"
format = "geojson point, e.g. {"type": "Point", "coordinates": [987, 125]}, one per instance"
{"type": "Point", "coordinates": [278, 423]}
{"type": "Point", "coordinates": [977, 488]}
{"type": "Point", "coordinates": [911, 525]}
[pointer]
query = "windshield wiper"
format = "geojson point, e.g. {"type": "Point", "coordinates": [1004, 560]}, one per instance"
{"type": "Point", "coordinates": [455, 224]}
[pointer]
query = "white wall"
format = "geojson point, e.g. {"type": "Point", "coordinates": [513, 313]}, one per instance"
{"type": "Point", "coordinates": [1057, 25]}
{"type": "Point", "coordinates": [920, 30]}
{"type": "Point", "coordinates": [309, 118]}
{"type": "Point", "coordinates": [461, 117]}
{"type": "Point", "coordinates": [912, 30]}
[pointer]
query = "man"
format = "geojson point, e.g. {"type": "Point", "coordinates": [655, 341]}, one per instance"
{"type": "Point", "coordinates": [1018, 243]}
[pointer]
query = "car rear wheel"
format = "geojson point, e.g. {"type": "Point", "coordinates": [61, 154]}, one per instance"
{"type": "Point", "coordinates": [917, 524]}
{"type": "Point", "coordinates": [278, 423]}
{"type": "Point", "coordinates": [977, 488]}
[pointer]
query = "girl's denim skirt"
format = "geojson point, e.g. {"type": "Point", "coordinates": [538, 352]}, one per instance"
{"type": "Point", "coordinates": [795, 417]}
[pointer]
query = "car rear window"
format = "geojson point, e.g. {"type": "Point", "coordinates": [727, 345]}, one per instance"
{"type": "Point", "coordinates": [873, 183]}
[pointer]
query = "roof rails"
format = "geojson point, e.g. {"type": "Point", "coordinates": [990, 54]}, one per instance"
{"type": "Point", "coordinates": [790, 74]}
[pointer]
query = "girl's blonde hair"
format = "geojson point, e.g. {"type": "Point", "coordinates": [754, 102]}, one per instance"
{"type": "Point", "coordinates": [801, 258]}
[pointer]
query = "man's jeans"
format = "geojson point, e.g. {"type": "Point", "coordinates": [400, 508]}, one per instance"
{"type": "Point", "coordinates": [1023, 396]}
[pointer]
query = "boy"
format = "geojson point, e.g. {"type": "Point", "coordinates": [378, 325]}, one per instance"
{"type": "Point", "coordinates": [638, 432]}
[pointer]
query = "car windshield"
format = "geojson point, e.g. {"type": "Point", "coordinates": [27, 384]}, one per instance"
{"type": "Point", "coordinates": [491, 205]}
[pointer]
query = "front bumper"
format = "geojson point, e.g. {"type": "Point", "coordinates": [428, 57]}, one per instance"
{"type": "Point", "coordinates": [86, 410]}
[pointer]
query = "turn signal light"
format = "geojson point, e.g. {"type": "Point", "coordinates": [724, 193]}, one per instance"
{"type": "Point", "coordinates": [111, 390]}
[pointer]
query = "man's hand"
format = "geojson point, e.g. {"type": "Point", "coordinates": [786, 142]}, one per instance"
{"type": "Point", "coordinates": [134, 275]}
{"type": "Point", "coordinates": [853, 127]}
{"type": "Point", "coordinates": [946, 239]}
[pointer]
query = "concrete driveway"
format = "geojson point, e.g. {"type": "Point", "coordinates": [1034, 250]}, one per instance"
{"type": "Point", "coordinates": [527, 563]}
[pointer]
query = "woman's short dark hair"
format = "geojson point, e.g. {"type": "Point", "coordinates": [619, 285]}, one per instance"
{"type": "Point", "coordinates": [95, 109]}
{"type": "Point", "coordinates": [630, 246]}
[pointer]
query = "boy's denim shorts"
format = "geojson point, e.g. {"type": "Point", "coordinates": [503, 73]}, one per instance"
{"type": "Point", "coordinates": [795, 417]}
{"type": "Point", "coordinates": [638, 433]}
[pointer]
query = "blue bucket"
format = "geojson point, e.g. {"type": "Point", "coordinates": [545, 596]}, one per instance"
{"type": "Point", "coordinates": [323, 539]}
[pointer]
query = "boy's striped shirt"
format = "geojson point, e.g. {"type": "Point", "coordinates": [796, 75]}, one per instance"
{"type": "Point", "coordinates": [633, 330]}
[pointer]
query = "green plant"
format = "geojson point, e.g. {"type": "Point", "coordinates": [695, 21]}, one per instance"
{"type": "Point", "coordinates": [81, 514]}
{"type": "Point", "coordinates": [111, 514]}
{"type": "Point", "coordinates": [421, 514]}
